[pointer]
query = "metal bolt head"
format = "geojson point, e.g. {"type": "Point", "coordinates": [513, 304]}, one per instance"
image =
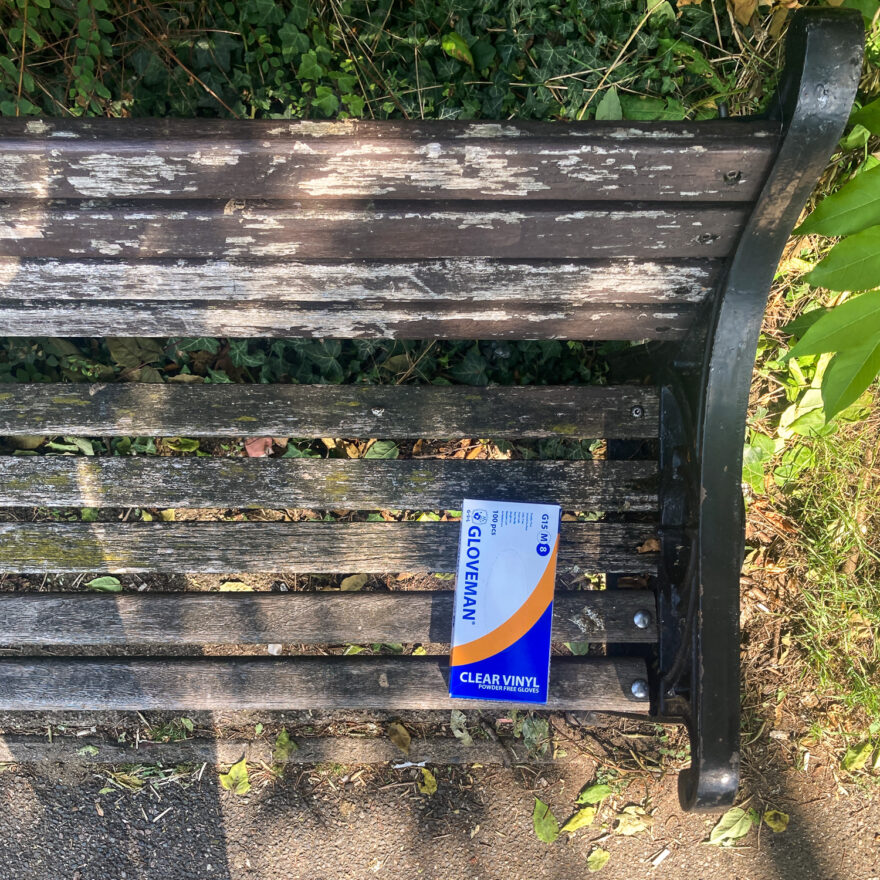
{"type": "Point", "coordinates": [642, 619]}
{"type": "Point", "coordinates": [637, 412]}
{"type": "Point", "coordinates": [639, 689]}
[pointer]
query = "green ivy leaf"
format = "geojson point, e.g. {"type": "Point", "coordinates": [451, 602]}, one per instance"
{"type": "Point", "coordinates": [545, 823]}
{"type": "Point", "coordinates": [609, 107]}
{"type": "Point", "coordinates": [454, 45]}
{"type": "Point", "coordinates": [852, 264]}
{"type": "Point", "coordinates": [130, 351]}
{"type": "Point", "coordinates": [237, 780]}
{"type": "Point", "coordinates": [854, 207]}
{"type": "Point", "coordinates": [309, 68]}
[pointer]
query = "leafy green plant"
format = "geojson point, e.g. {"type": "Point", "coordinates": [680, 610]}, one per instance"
{"type": "Point", "coordinates": [850, 331]}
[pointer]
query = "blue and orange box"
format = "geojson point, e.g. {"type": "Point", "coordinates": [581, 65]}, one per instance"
{"type": "Point", "coordinates": [504, 588]}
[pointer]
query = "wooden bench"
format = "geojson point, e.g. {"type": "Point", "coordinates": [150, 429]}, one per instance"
{"type": "Point", "coordinates": [665, 233]}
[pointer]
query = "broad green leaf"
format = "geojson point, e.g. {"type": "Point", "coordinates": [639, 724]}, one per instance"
{"type": "Point", "coordinates": [733, 825]}
{"type": "Point", "coordinates": [580, 819]}
{"type": "Point", "coordinates": [776, 820]}
{"type": "Point", "coordinates": [854, 207]}
{"type": "Point", "coordinates": [856, 757]}
{"type": "Point", "coordinates": [803, 418]}
{"type": "Point", "coordinates": [753, 467]}
{"type": "Point", "coordinates": [131, 351]}
{"type": "Point", "coordinates": [428, 785]}
{"type": "Point", "coordinates": [869, 116]}
{"type": "Point", "coordinates": [852, 264]}
{"type": "Point", "coordinates": [868, 8]}
{"type": "Point", "coordinates": [545, 823]}
{"type": "Point", "coordinates": [853, 323]}
{"type": "Point", "coordinates": [847, 376]}
{"type": "Point", "coordinates": [609, 106]}
{"type": "Point", "coordinates": [382, 449]}
{"type": "Point", "coordinates": [855, 139]}
{"type": "Point", "coordinates": [597, 859]}
{"type": "Point", "coordinates": [456, 47]}
{"type": "Point", "coordinates": [105, 584]}
{"type": "Point", "coordinates": [794, 461]}
{"type": "Point", "coordinates": [237, 780]}
{"type": "Point", "coordinates": [594, 794]}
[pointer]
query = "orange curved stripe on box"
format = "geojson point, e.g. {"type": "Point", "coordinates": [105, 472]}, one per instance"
{"type": "Point", "coordinates": [515, 627]}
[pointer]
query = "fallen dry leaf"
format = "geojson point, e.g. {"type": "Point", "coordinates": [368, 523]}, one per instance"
{"type": "Point", "coordinates": [257, 447]}
{"type": "Point", "coordinates": [399, 735]}
{"type": "Point", "coordinates": [353, 582]}
{"type": "Point", "coordinates": [652, 545]}
{"type": "Point", "coordinates": [743, 10]}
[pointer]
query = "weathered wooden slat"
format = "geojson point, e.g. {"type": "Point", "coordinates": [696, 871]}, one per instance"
{"type": "Point", "coordinates": [351, 484]}
{"type": "Point", "coordinates": [377, 230]}
{"type": "Point", "coordinates": [217, 410]}
{"type": "Point", "coordinates": [368, 320]}
{"type": "Point", "coordinates": [289, 683]}
{"type": "Point", "coordinates": [291, 618]}
{"type": "Point", "coordinates": [282, 159]}
{"type": "Point", "coordinates": [304, 282]}
{"type": "Point", "coordinates": [224, 547]}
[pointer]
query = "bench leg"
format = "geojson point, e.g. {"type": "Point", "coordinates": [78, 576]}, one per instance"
{"type": "Point", "coordinates": [823, 64]}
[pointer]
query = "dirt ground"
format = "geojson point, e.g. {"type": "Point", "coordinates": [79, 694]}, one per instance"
{"type": "Point", "coordinates": [372, 821]}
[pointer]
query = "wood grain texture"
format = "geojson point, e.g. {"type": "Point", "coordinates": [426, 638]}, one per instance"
{"type": "Point", "coordinates": [282, 159]}
{"type": "Point", "coordinates": [28, 619]}
{"type": "Point", "coordinates": [313, 547]}
{"type": "Point", "coordinates": [364, 230]}
{"type": "Point", "coordinates": [289, 683]}
{"type": "Point", "coordinates": [307, 283]}
{"type": "Point", "coordinates": [349, 484]}
{"type": "Point", "coordinates": [381, 318]}
{"type": "Point", "coordinates": [273, 410]}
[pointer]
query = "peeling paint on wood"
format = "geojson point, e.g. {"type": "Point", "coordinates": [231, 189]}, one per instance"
{"type": "Point", "coordinates": [191, 158]}
{"type": "Point", "coordinates": [382, 230]}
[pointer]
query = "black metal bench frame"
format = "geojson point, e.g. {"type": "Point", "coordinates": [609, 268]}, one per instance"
{"type": "Point", "coordinates": [703, 385]}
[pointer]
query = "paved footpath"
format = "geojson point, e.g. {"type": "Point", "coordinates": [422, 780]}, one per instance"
{"type": "Point", "coordinates": [333, 823]}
